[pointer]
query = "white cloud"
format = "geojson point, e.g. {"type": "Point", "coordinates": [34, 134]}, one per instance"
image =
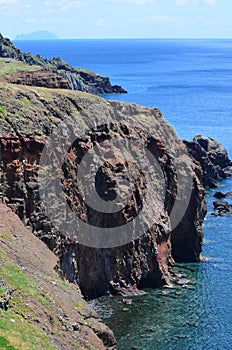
{"type": "Point", "coordinates": [64, 5]}
{"type": "Point", "coordinates": [182, 2]}
{"type": "Point", "coordinates": [133, 2]}
{"type": "Point", "coordinates": [194, 2]}
{"type": "Point", "coordinates": [10, 7]}
{"type": "Point", "coordinates": [210, 2]}
{"type": "Point", "coordinates": [156, 19]}
{"type": "Point", "coordinates": [161, 19]}
{"type": "Point", "coordinates": [31, 20]}
{"type": "Point", "coordinates": [6, 2]}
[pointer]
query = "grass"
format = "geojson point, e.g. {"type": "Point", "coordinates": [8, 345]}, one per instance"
{"type": "Point", "coordinates": [17, 116]}
{"type": "Point", "coordinates": [2, 112]}
{"type": "Point", "coordinates": [79, 307]}
{"type": "Point", "coordinates": [10, 66]}
{"type": "Point", "coordinates": [6, 236]}
{"type": "Point", "coordinates": [87, 71]}
{"type": "Point", "coordinates": [26, 101]}
{"type": "Point", "coordinates": [112, 132]}
{"type": "Point", "coordinates": [5, 345]}
{"type": "Point", "coordinates": [16, 332]}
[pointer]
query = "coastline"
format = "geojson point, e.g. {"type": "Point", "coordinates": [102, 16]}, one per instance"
{"type": "Point", "coordinates": [166, 294]}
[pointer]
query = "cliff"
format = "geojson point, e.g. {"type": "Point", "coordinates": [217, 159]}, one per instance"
{"type": "Point", "coordinates": [39, 310]}
{"type": "Point", "coordinates": [78, 79]}
{"type": "Point", "coordinates": [108, 186]}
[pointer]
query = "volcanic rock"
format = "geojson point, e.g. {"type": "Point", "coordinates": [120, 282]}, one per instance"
{"type": "Point", "coordinates": [137, 150]}
{"type": "Point", "coordinates": [212, 157]}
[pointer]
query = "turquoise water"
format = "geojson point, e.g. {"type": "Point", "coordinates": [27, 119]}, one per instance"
{"type": "Point", "coordinates": [185, 319]}
{"type": "Point", "coordinates": [191, 82]}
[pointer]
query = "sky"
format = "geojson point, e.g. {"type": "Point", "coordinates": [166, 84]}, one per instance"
{"type": "Point", "coordinates": [75, 19]}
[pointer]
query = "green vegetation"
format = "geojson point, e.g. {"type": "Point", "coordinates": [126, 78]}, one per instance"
{"type": "Point", "coordinates": [10, 66]}
{"type": "Point", "coordinates": [26, 101]}
{"type": "Point", "coordinates": [112, 132]}
{"type": "Point", "coordinates": [87, 71]}
{"type": "Point", "coordinates": [5, 345]}
{"type": "Point", "coordinates": [79, 119]}
{"type": "Point", "coordinates": [17, 116]}
{"type": "Point", "coordinates": [2, 112]}
{"type": "Point", "coordinates": [18, 326]}
{"type": "Point", "coordinates": [79, 307]}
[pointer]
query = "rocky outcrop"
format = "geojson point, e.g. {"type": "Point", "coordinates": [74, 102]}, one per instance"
{"type": "Point", "coordinates": [221, 195]}
{"type": "Point", "coordinates": [78, 79]}
{"type": "Point", "coordinates": [43, 78]}
{"type": "Point", "coordinates": [222, 207]}
{"type": "Point", "coordinates": [87, 81]}
{"type": "Point", "coordinates": [149, 205]}
{"type": "Point", "coordinates": [212, 157]}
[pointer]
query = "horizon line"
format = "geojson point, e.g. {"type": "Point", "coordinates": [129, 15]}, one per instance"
{"type": "Point", "coordinates": [129, 38]}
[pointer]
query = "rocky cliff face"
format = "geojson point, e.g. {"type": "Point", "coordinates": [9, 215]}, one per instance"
{"type": "Point", "coordinates": [38, 78]}
{"type": "Point", "coordinates": [149, 205]}
{"type": "Point", "coordinates": [78, 79]}
{"type": "Point", "coordinates": [212, 157]}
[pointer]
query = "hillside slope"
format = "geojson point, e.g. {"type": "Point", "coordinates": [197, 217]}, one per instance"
{"type": "Point", "coordinates": [39, 310]}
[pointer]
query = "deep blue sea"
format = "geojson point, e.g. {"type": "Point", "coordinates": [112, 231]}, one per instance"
{"type": "Point", "coordinates": [190, 81]}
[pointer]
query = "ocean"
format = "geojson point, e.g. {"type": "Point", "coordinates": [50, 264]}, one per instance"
{"type": "Point", "coordinates": [190, 81]}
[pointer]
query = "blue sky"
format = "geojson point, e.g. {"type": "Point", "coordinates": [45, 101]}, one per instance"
{"type": "Point", "coordinates": [118, 18]}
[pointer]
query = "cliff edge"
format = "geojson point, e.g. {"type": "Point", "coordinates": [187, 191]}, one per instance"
{"type": "Point", "coordinates": [131, 196]}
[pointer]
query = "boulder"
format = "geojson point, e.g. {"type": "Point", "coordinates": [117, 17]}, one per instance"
{"type": "Point", "coordinates": [222, 207]}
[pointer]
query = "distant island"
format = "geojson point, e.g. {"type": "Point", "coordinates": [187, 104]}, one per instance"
{"type": "Point", "coordinates": [40, 35]}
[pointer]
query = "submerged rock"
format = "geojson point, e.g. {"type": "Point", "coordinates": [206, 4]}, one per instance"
{"type": "Point", "coordinates": [219, 195]}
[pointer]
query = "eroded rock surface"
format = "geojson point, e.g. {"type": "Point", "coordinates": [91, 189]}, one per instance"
{"type": "Point", "coordinates": [134, 144]}
{"type": "Point", "coordinates": [43, 78]}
